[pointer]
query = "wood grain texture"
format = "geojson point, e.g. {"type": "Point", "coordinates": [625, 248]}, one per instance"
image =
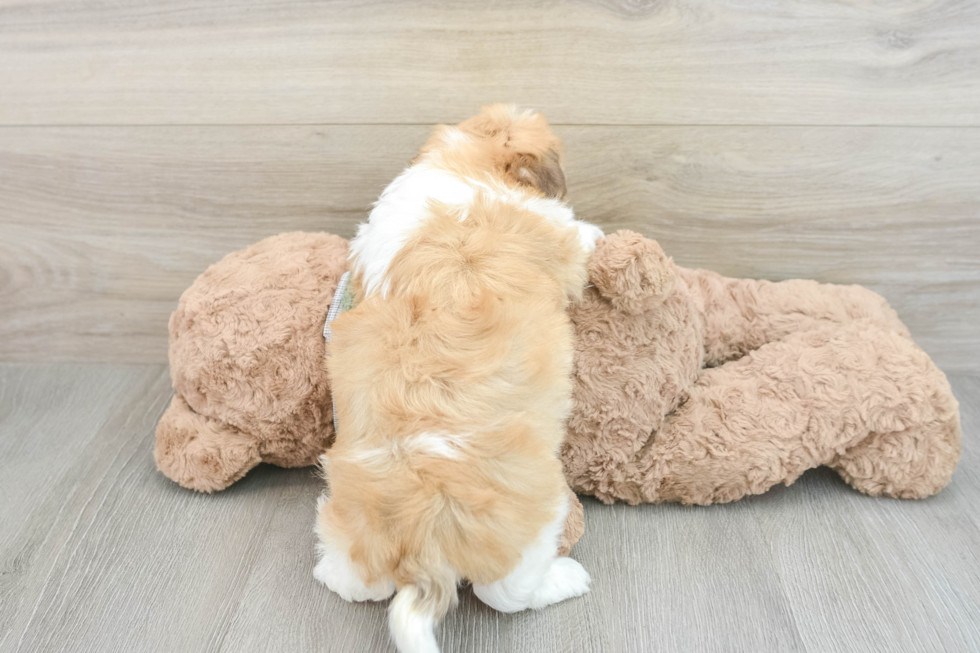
{"type": "Point", "coordinates": [389, 61]}
{"type": "Point", "coordinates": [100, 553]}
{"type": "Point", "coordinates": [102, 228]}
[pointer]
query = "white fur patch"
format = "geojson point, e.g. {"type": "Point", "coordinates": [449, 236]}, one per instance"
{"type": "Point", "coordinates": [454, 136]}
{"type": "Point", "coordinates": [437, 445]}
{"type": "Point", "coordinates": [445, 445]}
{"type": "Point", "coordinates": [337, 571]}
{"type": "Point", "coordinates": [411, 629]}
{"type": "Point", "coordinates": [540, 578]}
{"type": "Point", "coordinates": [588, 234]}
{"type": "Point", "coordinates": [400, 210]}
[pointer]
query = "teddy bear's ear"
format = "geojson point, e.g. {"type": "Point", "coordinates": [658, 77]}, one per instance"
{"type": "Point", "coordinates": [632, 272]}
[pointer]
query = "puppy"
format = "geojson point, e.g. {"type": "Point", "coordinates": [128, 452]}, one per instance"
{"type": "Point", "coordinates": [451, 382]}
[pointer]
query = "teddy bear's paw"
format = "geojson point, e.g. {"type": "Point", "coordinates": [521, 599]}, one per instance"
{"type": "Point", "coordinates": [565, 579]}
{"type": "Point", "coordinates": [337, 572]}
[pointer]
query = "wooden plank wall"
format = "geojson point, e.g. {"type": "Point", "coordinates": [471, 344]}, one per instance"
{"type": "Point", "coordinates": [141, 141]}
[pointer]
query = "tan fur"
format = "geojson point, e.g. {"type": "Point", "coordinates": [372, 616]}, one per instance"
{"type": "Point", "coordinates": [471, 342]}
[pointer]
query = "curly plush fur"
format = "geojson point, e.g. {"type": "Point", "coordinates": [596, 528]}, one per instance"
{"type": "Point", "coordinates": [688, 386]}
{"type": "Point", "coordinates": [696, 388]}
{"type": "Point", "coordinates": [246, 359]}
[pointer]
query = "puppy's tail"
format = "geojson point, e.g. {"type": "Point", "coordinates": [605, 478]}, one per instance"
{"type": "Point", "coordinates": [416, 609]}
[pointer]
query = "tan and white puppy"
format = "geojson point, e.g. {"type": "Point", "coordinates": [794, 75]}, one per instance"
{"type": "Point", "coordinates": [451, 382]}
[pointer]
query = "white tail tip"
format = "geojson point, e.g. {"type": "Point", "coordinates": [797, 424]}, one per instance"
{"type": "Point", "coordinates": [412, 629]}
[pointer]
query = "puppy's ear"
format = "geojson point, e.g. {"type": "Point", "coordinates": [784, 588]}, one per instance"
{"type": "Point", "coordinates": [540, 171]}
{"type": "Point", "coordinates": [522, 146]}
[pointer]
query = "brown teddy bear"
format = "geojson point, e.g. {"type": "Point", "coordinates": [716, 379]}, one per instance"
{"type": "Point", "coordinates": [689, 386]}
{"type": "Point", "coordinates": [246, 360]}
{"type": "Point", "coordinates": [697, 388]}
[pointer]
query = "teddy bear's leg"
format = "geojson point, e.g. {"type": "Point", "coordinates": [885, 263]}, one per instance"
{"type": "Point", "coordinates": [914, 455]}
{"type": "Point", "coordinates": [743, 314]}
{"type": "Point", "coordinates": [201, 453]}
{"type": "Point", "coordinates": [911, 464]}
{"type": "Point", "coordinates": [864, 400]}
{"type": "Point", "coordinates": [601, 458]}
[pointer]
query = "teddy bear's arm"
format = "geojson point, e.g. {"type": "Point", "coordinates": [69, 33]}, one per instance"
{"type": "Point", "coordinates": [201, 453]}
{"type": "Point", "coordinates": [741, 315]}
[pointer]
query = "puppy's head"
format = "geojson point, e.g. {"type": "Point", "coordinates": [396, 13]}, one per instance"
{"type": "Point", "coordinates": [515, 144]}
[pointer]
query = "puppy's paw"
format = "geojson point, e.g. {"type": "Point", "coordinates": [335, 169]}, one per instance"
{"type": "Point", "coordinates": [588, 235]}
{"type": "Point", "coordinates": [338, 573]}
{"type": "Point", "coordinates": [565, 579]}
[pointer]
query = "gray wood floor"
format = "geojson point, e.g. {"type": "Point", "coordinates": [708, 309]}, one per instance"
{"type": "Point", "coordinates": [99, 552]}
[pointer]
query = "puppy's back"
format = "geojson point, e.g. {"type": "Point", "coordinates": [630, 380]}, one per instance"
{"type": "Point", "coordinates": [472, 332]}
{"type": "Point", "coordinates": [454, 394]}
